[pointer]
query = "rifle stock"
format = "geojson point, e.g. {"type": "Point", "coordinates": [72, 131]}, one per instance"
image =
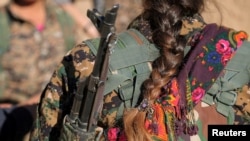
{"type": "Point", "coordinates": [89, 96]}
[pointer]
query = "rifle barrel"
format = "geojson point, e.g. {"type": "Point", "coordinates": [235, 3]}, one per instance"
{"type": "Point", "coordinates": [93, 98]}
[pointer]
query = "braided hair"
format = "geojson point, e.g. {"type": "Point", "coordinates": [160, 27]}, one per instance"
{"type": "Point", "coordinates": [164, 18]}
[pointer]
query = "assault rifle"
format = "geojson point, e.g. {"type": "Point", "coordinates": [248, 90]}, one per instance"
{"type": "Point", "coordinates": [88, 99]}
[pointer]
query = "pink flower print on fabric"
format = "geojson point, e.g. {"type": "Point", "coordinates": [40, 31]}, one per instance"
{"type": "Point", "coordinates": [223, 47]}
{"type": "Point", "coordinates": [115, 134]}
{"type": "Point", "coordinates": [225, 58]}
{"type": "Point", "coordinates": [197, 94]}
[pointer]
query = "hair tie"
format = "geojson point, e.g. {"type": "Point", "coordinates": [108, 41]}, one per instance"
{"type": "Point", "coordinates": [144, 105]}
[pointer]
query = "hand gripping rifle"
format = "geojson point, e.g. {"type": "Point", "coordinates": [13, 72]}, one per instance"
{"type": "Point", "coordinates": [89, 97]}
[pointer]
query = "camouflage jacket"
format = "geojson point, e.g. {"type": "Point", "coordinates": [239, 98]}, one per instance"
{"type": "Point", "coordinates": [32, 52]}
{"type": "Point", "coordinates": [57, 98]}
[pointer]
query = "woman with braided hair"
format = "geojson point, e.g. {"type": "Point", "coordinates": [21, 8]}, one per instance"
{"type": "Point", "coordinates": [167, 72]}
{"type": "Point", "coordinates": [180, 81]}
{"type": "Point", "coordinates": [164, 18]}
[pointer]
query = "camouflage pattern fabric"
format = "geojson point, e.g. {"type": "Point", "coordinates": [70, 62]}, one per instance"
{"type": "Point", "coordinates": [77, 65]}
{"type": "Point", "coordinates": [57, 97]}
{"type": "Point", "coordinates": [242, 106]}
{"type": "Point", "coordinates": [32, 55]}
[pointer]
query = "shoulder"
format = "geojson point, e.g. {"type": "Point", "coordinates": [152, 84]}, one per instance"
{"type": "Point", "coordinates": [79, 59]}
{"type": "Point", "coordinates": [81, 51]}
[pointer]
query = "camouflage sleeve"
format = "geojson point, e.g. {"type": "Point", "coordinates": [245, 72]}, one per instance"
{"type": "Point", "coordinates": [56, 98]}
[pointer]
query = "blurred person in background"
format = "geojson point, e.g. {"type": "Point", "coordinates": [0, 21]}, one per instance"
{"type": "Point", "coordinates": [37, 31]}
{"type": "Point", "coordinates": [34, 35]}
{"type": "Point", "coordinates": [80, 18]}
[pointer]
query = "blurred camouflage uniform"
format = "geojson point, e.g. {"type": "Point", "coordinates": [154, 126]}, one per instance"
{"type": "Point", "coordinates": [55, 95]}
{"type": "Point", "coordinates": [32, 53]}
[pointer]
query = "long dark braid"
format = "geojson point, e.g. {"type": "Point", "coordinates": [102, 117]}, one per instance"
{"type": "Point", "coordinates": [164, 18]}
